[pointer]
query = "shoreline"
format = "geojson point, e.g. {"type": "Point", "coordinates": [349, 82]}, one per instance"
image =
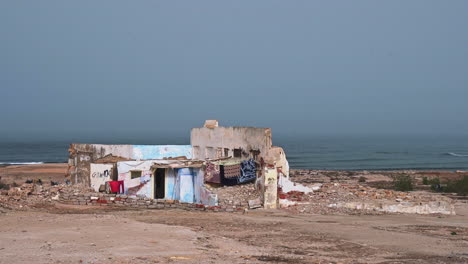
{"type": "Point", "coordinates": [458, 170]}
{"type": "Point", "coordinates": [10, 173]}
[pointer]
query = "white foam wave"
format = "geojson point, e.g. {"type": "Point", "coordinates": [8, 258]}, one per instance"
{"type": "Point", "coordinates": [457, 155]}
{"type": "Point", "coordinates": [20, 163]}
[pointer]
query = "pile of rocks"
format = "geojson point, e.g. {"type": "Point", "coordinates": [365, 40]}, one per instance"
{"type": "Point", "coordinates": [235, 196]}
{"type": "Point", "coordinates": [341, 198]}
{"type": "Point", "coordinates": [31, 194]}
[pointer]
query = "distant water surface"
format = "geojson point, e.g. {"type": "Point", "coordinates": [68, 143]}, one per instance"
{"type": "Point", "coordinates": [304, 152]}
{"type": "Point", "coordinates": [377, 152]}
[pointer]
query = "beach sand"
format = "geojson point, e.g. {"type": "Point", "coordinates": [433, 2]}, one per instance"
{"type": "Point", "coordinates": [61, 233]}
{"type": "Point", "coordinates": [45, 172]}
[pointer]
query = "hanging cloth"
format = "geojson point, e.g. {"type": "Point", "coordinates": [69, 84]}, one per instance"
{"type": "Point", "coordinates": [230, 174]}
{"type": "Point", "coordinates": [212, 173]}
{"type": "Point", "coordinates": [248, 172]}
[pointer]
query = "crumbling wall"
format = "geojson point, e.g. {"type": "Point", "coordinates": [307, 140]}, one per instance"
{"type": "Point", "coordinates": [213, 142]}
{"type": "Point", "coordinates": [218, 142]}
{"type": "Point", "coordinates": [82, 155]}
{"type": "Point", "coordinates": [277, 156]}
{"type": "Point", "coordinates": [202, 194]}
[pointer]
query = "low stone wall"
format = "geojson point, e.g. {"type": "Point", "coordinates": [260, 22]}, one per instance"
{"type": "Point", "coordinates": [433, 207]}
{"type": "Point", "coordinates": [118, 200]}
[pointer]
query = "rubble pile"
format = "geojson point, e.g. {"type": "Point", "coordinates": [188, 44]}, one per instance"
{"type": "Point", "coordinates": [326, 193]}
{"type": "Point", "coordinates": [235, 196]}
{"type": "Point", "coordinates": [31, 194]}
{"type": "Point", "coordinates": [322, 176]}
{"type": "Point", "coordinates": [348, 197]}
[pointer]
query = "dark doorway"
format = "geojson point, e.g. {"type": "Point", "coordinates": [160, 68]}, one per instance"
{"type": "Point", "coordinates": [159, 183]}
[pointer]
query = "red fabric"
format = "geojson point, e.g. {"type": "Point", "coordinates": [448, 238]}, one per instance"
{"type": "Point", "coordinates": [117, 186]}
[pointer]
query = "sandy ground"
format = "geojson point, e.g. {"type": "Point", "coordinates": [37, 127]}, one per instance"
{"type": "Point", "coordinates": [80, 234]}
{"type": "Point", "coordinates": [67, 234]}
{"type": "Point", "coordinates": [45, 172]}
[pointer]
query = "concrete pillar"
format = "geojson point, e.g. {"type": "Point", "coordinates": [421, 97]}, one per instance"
{"type": "Point", "coordinates": [271, 189]}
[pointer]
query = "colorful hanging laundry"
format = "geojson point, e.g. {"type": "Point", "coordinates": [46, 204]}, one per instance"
{"type": "Point", "coordinates": [232, 171]}
{"type": "Point", "coordinates": [248, 172]}
{"type": "Point", "coordinates": [230, 174]}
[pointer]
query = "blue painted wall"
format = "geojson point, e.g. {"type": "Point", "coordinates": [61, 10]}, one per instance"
{"type": "Point", "coordinates": [187, 194]}
{"type": "Point", "coordinates": [161, 151]}
{"type": "Point", "coordinates": [170, 184]}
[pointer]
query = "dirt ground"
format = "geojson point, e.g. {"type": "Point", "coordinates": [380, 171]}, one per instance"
{"type": "Point", "coordinates": [45, 172]}
{"type": "Point", "coordinates": [80, 234]}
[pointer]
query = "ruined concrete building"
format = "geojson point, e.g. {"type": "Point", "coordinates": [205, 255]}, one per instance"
{"type": "Point", "coordinates": [217, 156]}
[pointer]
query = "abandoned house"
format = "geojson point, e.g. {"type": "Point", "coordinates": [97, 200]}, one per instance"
{"type": "Point", "coordinates": [217, 156]}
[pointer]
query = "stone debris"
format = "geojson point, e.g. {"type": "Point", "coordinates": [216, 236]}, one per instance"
{"type": "Point", "coordinates": [237, 195]}
{"type": "Point", "coordinates": [327, 193]}
{"type": "Point", "coordinates": [31, 194]}
{"type": "Point", "coordinates": [254, 204]}
{"type": "Point", "coordinates": [349, 196]}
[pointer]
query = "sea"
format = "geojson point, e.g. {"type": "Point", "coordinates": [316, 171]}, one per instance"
{"type": "Point", "coordinates": [318, 152]}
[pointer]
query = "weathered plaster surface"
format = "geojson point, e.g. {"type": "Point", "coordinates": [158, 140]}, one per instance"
{"type": "Point", "coordinates": [82, 155]}
{"type": "Point", "coordinates": [171, 176]}
{"type": "Point", "coordinates": [100, 174]}
{"type": "Point", "coordinates": [184, 184]}
{"type": "Point", "coordinates": [271, 188]}
{"type": "Point", "coordinates": [277, 156]}
{"type": "Point", "coordinates": [186, 191]}
{"type": "Point", "coordinates": [161, 152]}
{"type": "Point", "coordinates": [139, 186]}
{"type": "Point", "coordinates": [210, 142]}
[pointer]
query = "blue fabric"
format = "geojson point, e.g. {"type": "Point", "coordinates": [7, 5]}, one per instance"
{"type": "Point", "coordinates": [248, 171]}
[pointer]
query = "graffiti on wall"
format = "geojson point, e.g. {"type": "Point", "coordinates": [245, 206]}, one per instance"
{"type": "Point", "coordinates": [85, 158]}
{"type": "Point", "coordinates": [105, 174]}
{"type": "Point", "coordinates": [100, 174]}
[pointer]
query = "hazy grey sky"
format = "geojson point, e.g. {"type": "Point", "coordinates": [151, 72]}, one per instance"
{"type": "Point", "coordinates": [148, 67]}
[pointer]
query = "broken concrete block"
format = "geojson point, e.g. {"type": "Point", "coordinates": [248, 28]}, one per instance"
{"type": "Point", "coordinates": [256, 203]}
{"type": "Point", "coordinates": [211, 123]}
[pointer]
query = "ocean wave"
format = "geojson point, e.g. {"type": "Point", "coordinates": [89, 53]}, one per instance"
{"type": "Point", "coordinates": [391, 152]}
{"type": "Point", "coordinates": [358, 160]}
{"type": "Point", "coordinates": [20, 163]}
{"type": "Point", "coordinates": [456, 155]}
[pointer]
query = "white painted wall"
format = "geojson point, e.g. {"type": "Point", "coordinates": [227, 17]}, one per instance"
{"type": "Point", "coordinates": [143, 184]}
{"type": "Point", "coordinates": [100, 173]}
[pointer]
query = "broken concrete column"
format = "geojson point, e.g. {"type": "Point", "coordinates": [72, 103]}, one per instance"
{"type": "Point", "coordinates": [271, 188]}
{"type": "Point", "coordinates": [211, 123]}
